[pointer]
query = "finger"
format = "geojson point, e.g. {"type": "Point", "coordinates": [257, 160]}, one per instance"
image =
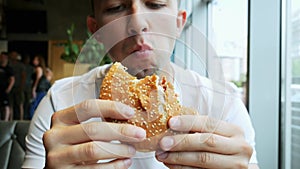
{"type": "Point", "coordinates": [203, 160]}
{"type": "Point", "coordinates": [94, 131]}
{"type": "Point", "coordinates": [204, 124]}
{"type": "Point", "coordinates": [202, 142]}
{"type": "Point", "coordinates": [116, 164]}
{"type": "Point", "coordinates": [92, 108]}
{"type": "Point", "coordinates": [180, 167]}
{"type": "Point", "coordinates": [91, 151]}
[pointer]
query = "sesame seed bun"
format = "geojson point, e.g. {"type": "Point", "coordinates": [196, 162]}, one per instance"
{"type": "Point", "coordinates": [153, 99]}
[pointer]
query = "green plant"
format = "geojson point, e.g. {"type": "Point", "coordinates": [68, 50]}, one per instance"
{"type": "Point", "coordinates": [91, 52]}
{"type": "Point", "coordinates": [241, 82]}
{"type": "Point", "coordinates": [71, 49]}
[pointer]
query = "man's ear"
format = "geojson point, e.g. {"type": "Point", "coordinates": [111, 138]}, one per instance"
{"type": "Point", "coordinates": [181, 20]}
{"type": "Point", "coordinates": [92, 24]}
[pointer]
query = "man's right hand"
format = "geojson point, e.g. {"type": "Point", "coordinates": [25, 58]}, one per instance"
{"type": "Point", "coordinates": [72, 144]}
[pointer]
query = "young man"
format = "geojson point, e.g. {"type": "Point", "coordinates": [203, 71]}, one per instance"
{"type": "Point", "coordinates": [141, 34]}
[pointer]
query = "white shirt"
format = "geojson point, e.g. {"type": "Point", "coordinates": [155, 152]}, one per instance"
{"type": "Point", "coordinates": [213, 99]}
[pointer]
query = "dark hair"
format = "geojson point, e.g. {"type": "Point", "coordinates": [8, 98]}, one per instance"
{"type": "Point", "coordinates": [42, 62]}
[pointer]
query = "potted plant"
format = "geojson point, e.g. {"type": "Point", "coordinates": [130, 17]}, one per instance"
{"type": "Point", "coordinates": [71, 49]}
{"type": "Point", "coordinates": [86, 56]}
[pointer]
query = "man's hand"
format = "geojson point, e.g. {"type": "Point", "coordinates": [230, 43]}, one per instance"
{"type": "Point", "coordinates": [209, 144]}
{"type": "Point", "coordinates": [72, 144]}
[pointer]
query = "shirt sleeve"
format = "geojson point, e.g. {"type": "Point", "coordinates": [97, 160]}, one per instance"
{"type": "Point", "coordinates": [238, 115]}
{"type": "Point", "coordinates": [35, 151]}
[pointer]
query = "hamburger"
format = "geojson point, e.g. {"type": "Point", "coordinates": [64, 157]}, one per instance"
{"type": "Point", "coordinates": [153, 99]}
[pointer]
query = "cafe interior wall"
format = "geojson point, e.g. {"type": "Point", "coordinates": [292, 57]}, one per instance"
{"type": "Point", "coordinates": [60, 15]}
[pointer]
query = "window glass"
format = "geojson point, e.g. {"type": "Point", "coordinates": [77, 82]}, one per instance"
{"type": "Point", "coordinates": [291, 83]}
{"type": "Point", "coordinates": [216, 26]}
{"type": "Point", "coordinates": [228, 34]}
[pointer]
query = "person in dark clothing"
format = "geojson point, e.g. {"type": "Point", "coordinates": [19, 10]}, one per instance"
{"type": "Point", "coordinates": [40, 83]}
{"type": "Point", "coordinates": [29, 69]}
{"type": "Point", "coordinates": [7, 82]}
{"type": "Point", "coordinates": [16, 96]}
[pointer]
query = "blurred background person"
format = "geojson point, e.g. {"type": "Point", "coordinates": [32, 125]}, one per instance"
{"type": "Point", "coordinates": [28, 85]}
{"type": "Point", "coordinates": [7, 81]}
{"type": "Point", "coordinates": [17, 94]}
{"type": "Point", "coordinates": [49, 74]}
{"type": "Point", "coordinates": [40, 82]}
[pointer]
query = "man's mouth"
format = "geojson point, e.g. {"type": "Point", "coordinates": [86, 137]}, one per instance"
{"type": "Point", "coordinates": [143, 50]}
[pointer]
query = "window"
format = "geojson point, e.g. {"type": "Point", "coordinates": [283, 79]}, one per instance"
{"type": "Point", "coordinates": [291, 85]}
{"type": "Point", "coordinates": [228, 35]}
{"type": "Point", "coordinates": [218, 27]}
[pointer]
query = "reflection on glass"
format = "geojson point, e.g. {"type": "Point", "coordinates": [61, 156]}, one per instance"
{"type": "Point", "coordinates": [295, 87]}
{"type": "Point", "coordinates": [291, 94]}
{"type": "Point", "coordinates": [229, 25]}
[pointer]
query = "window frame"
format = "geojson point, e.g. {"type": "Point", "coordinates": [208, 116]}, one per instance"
{"type": "Point", "coordinates": [264, 83]}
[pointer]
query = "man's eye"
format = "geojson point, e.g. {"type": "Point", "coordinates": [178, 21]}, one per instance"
{"type": "Point", "coordinates": [115, 9]}
{"type": "Point", "coordinates": [152, 5]}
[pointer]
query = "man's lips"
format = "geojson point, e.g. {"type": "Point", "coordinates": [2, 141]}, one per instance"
{"type": "Point", "coordinates": [140, 49]}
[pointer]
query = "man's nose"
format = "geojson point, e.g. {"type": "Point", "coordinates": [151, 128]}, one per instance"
{"type": "Point", "coordinates": [137, 23]}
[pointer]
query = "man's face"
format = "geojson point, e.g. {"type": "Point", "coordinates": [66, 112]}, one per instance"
{"type": "Point", "coordinates": [139, 33]}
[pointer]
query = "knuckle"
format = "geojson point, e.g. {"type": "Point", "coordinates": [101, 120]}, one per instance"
{"type": "Point", "coordinates": [241, 165]}
{"type": "Point", "coordinates": [210, 141]}
{"type": "Point", "coordinates": [49, 138]}
{"type": "Point", "coordinates": [90, 129]}
{"type": "Point", "coordinates": [85, 105]}
{"type": "Point", "coordinates": [210, 124]}
{"type": "Point", "coordinates": [51, 160]}
{"type": "Point", "coordinates": [203, 158]}
{"type": "Point", "coordinates": [55, 117]}
{"type": "Point", "coordinates": [177, 158]}
{"type": "Point", "coordinates": [239, 131]}
{"type": "Point", "coordinates": [123, 129]}
{"type": "Point", "coordinates": [247, 149]}
{"type": "Point", "coordinates": [186, 140]}
{"type": "Point", "coordinates": [90, 150]}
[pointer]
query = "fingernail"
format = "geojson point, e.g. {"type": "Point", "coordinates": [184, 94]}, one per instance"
{"type": "Point", "coordinates": [131, 150]}
{"type": "Point", "coordinates": [140, 133]}
{"type": "Point", "coordinates": [167, 143]}
{"type": "Point", "coordinates": [162, 156]}
{"type": "Point", "coordinates": [127, 162]}
{"type": "Point", "coordinates": [174, 123]}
